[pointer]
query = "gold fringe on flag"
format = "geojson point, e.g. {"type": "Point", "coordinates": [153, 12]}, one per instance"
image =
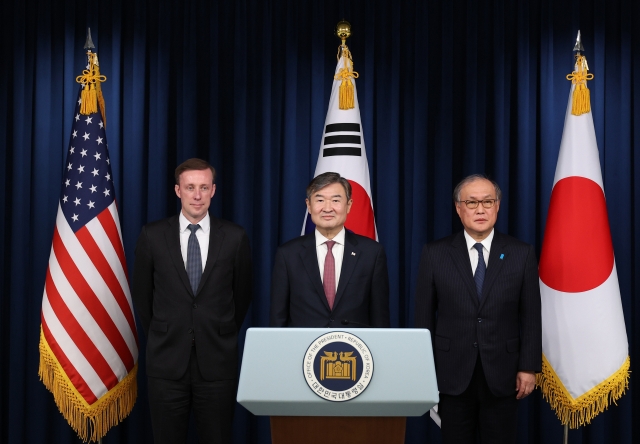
{"type": "Point", "coordinates": [92, 92]}
{"type": "Point", "coordinates": [580, 411]}
{"type": "Point", "coordinates": [90, 422]}
{"type": "Point", "coordinates": [347, 91]}
{"type": "Point", "coordinates": [581, 102]}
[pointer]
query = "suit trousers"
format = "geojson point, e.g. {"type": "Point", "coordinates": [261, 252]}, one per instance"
{"type": "Point", "coordinates": [476, 412]}
{"type": "Point", "coordinates": [213, 404]}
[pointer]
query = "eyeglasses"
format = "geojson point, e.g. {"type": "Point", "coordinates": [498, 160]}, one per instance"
{"type": "Point", "coordinates": [473, 204]}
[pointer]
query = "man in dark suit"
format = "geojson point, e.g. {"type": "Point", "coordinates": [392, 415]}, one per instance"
{"type": "Point", "coordinates": [478, 294]}
{"type": "Point", "coordinates": [192, 289]}
{"type": "Point", "coordinates": [332, 277]}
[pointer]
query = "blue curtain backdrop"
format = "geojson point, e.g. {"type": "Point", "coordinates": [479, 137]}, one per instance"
{"type": "Point", "coordinates": [446, 88]}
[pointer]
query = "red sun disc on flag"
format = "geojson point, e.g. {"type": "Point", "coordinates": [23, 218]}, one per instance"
{"type": "Point", "coordinates": [360, 219]}
{"type": "Point", "coordinates": [577, 253]}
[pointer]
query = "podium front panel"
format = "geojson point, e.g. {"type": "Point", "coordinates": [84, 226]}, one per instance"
{"type": "Point", "coordinates": [272, 378]}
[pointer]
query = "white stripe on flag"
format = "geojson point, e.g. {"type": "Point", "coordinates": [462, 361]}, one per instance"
{"type": "Point", "coordinates": [68, 347]}
{"type": "Point", "coordinates": [113, 209]}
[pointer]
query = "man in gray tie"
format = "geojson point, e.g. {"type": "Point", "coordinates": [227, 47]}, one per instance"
{"type": "Point", "coordinates": [478, 294]}
{"type": "Point", "coordinates": [331, 277]}
{"type": "Point", "coordinates": [192, 289]}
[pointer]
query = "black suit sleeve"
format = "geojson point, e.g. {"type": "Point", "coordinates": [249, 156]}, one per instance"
{"type": "Point", "coordinates": [242, 280]}
{"type": "Point", "coordinates": [142, 289]}
{"type": "Point", "coordinates": [530, 317]}
{"type": "Point", "coordinates": [426, 302]}
{"type": "Point", "coordinates": [379, 305]}
{"type": "Point", "coordinates": [279, 311]}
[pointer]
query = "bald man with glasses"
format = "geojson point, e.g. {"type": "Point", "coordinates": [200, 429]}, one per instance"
{"type": "Point", "coordinates": [478, 293]}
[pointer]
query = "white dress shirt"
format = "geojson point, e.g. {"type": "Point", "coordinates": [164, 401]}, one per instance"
{"type": "Point", "coordinates": [202, 234]}
{"type": "Point", "coordinates": [337, 250]}
{"type": "Point", "coordinates": [473, 253]}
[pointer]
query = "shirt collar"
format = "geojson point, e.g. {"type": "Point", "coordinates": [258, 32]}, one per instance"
{"type": "Point", "coordinates": [339, 238]}
{"type": "Point", "coordinates": [486, 242]}
{"type": "Point", "coordinates": [205, 223]}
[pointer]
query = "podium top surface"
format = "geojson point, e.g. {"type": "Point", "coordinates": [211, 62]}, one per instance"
{"type": "Point", "coordinates": [273, 380]}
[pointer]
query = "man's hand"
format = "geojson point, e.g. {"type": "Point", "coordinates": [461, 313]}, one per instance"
{"type": "Point", "coordinates": [525, 383]}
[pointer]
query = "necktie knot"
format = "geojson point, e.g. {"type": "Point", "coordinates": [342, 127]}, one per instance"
{"type": "Point", "coordinates": [194, 228]}
{"type": "Point", "coordinates": [330, 244]}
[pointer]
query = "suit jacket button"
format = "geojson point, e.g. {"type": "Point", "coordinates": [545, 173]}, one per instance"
{"type": "Point", "coordinates": [475, 344]}
{"type": "Point", "coordinates": [190, 330]}
{"type": "Point", "coordinates": [195, 306]}
{"type": "Point", "coordinates": [479, 319]}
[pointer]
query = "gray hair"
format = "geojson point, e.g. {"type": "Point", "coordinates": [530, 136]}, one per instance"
{"type": "Point", "coordinates": [325, 179]}
{"type": "Point", "coordinates": [472, 178]}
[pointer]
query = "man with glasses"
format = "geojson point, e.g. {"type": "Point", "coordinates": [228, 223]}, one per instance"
{"type": "Point", "coordinates": [479, 296]}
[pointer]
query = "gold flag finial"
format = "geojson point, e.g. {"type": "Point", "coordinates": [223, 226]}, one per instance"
{"type": "Point", "coordinates": [343, 31]}
{"type": "Point", "coordinates": [346, 73]}
{"type": "Point", "coordinates": [581, 101]}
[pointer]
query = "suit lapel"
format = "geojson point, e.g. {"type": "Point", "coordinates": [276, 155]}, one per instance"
{"type": "Point", "coordinates": [309, 258]}
{"type": "Point", "coordinates": [349, 261]}
{"type": "Point", "coordinates": [216, 238]}
{"type": "Point", "coordinates": [495, 264]}
{"type": "Point", "coordinates": [172, 236]}
{"type": "Point", "coordinates": [460, 256]}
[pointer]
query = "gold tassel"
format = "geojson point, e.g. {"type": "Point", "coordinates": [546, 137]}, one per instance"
{"type": "Point", "coordinates": [89, 78]}
{"type": "Point", "coordinates": [580, 411]}
{"type": "Point", "coordinates": [84, 100]}
{"type": "Point", "coordinates": [347, 91]}
{"type": "Point", "coordinates": [90, 422]}
{"type": "Point", "coordinates": [581, 101]}
{"type": "Point", "coordinates": [346, 94]}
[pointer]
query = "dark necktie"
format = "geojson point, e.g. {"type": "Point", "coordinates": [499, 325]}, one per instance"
{"type": "Point", "coordinates": [481, 270]}
{"type": "Point", "coordinates": [194, 259]}
{"type": "Point", "coordinates": [329, 276]}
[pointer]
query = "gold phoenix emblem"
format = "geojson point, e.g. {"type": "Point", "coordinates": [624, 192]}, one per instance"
{"type": "Point", "coordinates": [333, 368]}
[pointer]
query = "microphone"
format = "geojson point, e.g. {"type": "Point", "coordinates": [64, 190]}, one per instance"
{"type": "Point", "coordinates": [354, 324]}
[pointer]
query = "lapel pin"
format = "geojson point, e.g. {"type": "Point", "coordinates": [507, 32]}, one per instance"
{"type": "Point", "coordinates": [353, 253]}
{"type": "Point", "coordinates": [502, 256]}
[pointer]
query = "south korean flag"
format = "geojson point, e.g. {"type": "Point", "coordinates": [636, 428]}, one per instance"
{"type": "Point", "coordinates": [342, 151]}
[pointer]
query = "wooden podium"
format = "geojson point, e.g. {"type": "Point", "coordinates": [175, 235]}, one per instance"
{"type": "Point", "coordinates": [273, 383]}
{"type": "Point", "coordinates": [354, 429]}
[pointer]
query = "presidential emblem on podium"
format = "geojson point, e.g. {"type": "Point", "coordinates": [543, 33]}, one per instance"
{"type": "Point", "coordinates": [338, 366]}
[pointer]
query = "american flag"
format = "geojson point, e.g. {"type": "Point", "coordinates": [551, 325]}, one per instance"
{"type": "Point", "coordinates": [89, 344]}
